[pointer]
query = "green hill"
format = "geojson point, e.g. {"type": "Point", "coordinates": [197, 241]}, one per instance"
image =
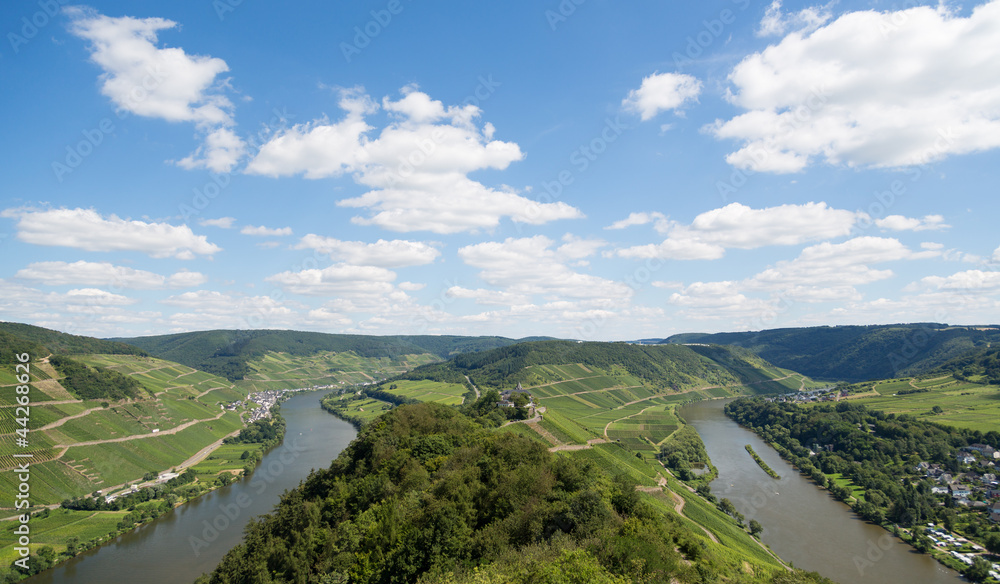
{"type": "Point", "coordinates": [662, 367]}
{"type": "Point", "coordinates": [857, 353]}
{"type": "Point", "coordinates": [37, 340]}
{"type": "Point", "coordinates": [227, 352]}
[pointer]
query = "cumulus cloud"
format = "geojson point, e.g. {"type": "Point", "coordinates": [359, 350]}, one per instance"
{"type": "Point", "coordinates": [931, 92]}
{"type": "Point", "coordinates": [261, 231]}
{"type": "Point", "coordinates": [417, 167]}
{"type": "Point", "coordinates": [222, 150]}
{"type": "Point", "coordinates": [86, 229]}
{"type": "Point", "coordinates": [742, 227]}
{"type": "Point", "coordinates": [83, 273]}
{"type": "Point", "coordinates": [661, 92]}
{"type": "Point", "coordinates": [166, 83]}
{"type": "Point", "coordinates": [397, 253]}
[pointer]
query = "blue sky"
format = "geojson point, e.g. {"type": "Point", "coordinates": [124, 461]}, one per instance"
{"type": "Point", "coordinates": [578, 169]}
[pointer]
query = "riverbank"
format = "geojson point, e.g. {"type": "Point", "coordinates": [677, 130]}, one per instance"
{"type": "Point", "coordinates": [78, 525]}
{"type": "Point", "coordinates": [803, 524]}
{"type": "Point", "coordinates": [191, 539]}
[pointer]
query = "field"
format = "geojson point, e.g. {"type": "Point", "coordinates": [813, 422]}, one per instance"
{"type": "Point", "coordinates": [284, 371]}
{"type": "Point", "coordinates": [450, 394]}
{"type": "Point", "coordinates": [57, 529]}
{"type": "Point", "coordinates": [963, 405]}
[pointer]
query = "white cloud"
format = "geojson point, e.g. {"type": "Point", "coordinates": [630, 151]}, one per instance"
{"type": "Point", "coordinates": [417, 166]}
{"type": "Point", "coordinates": [640, 218]}
{"type": "Point", "coordinates": [716, 300]}
{"type": "Point", "coordinates": [487, 297]}
{"type": "Point", "coordinates": [776, 23]}
{"type": "Point", "coordinates": [528, 266]}
{"type": "Point", "coordinates": [827, 272]}
{"type": "Point", "coordinates": [145, 80]}
{"type": "Point", "coordinates": [340, 279]}
{"type": "Point", "coordinates": [212, 309]}
{"type": "Point", "coordinates": [969, 281]}
{"type": "Point", "coordinates": [262, 231]}
{"type": "Point", "coordinates": [87, 311]}
{"type": "Point", "coordinates": [86, 229]}
{"type": "Point", "coordinates": [397, 253]}
{"type": "Point", "coordinates": [901, 223]}
{"type": "Point", "coordinates": [83, 273]}
{"type": "Point", "coordinates": [739, 226]}
{"type": "Point", "coordinates": [164, 83]}
{"type": "Point", "coordinates": [662, 92]}
{"type": "Point", "coordinates": [931, 92]}
{"type": "Point", "coordinates": [222, 150]}
{"type": "Point", "coordinates": [223, 222]}
{"type": "Point", "coordinates": [318, 149]}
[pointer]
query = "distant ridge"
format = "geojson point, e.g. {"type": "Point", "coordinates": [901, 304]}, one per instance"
{"type": "Point", "coordinates": [15, 336]}
{"type": "Point", "coordinates": [857, 353]}
{"type": "Point", "coordinates": [226, 352]}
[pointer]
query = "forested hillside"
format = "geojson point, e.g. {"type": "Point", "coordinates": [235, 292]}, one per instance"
{"type": "Point", "coordinates": [857, 353]}
{"type": "Point", "coordinates": [17, 337]}
{"type": "Point", "coordinates": [226, 352]}
{"type": "Point", "coordinates": [427, 495]}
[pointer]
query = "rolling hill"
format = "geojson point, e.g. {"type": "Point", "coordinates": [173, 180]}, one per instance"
{"type": "Point", "coordinates": [857, 353]}
{"type": "Point", "coordinates": [228, 353]}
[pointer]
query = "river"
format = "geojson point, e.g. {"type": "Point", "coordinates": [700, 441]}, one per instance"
{"type": "Point", "coordinates": [802, 523]}
{"type": "Point", "coordinates": [191, 540]}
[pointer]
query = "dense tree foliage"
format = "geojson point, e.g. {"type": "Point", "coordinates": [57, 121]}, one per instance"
{"type": "Point", "coordinates": [876, 451]}
{"type": "Point", "coordinates": [980, 365]}
{"type": "Point", "coordinates": [427, 495]}
{"type": "Point", "coordinates": [41, 341]}
{"type": "Point", "coordinates": [856, 353]}
{"type": "Point", "coordinates": [268, 431]}
{"type": "Point", "coordinates": [95, 382]}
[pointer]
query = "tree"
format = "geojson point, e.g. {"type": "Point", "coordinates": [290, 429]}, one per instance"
{"type": "Point", "coordinates": [992, 542]}
{"type": "Point", "coordinates": [755, 527]}
{"type": "Point", "coordinates": [937, 409]}
{"type": "Point", "coordinates": [727, 507]}
{"type": "Point", "coordinates": [979, 570]}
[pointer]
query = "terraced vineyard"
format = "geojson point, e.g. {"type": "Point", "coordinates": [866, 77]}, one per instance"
{"type": "Point", "coordinates": [80, 446]}
{"type": "Point", "coordinates": [961, 404]}
{"type": "Point", "coordinates": [284, 371]}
